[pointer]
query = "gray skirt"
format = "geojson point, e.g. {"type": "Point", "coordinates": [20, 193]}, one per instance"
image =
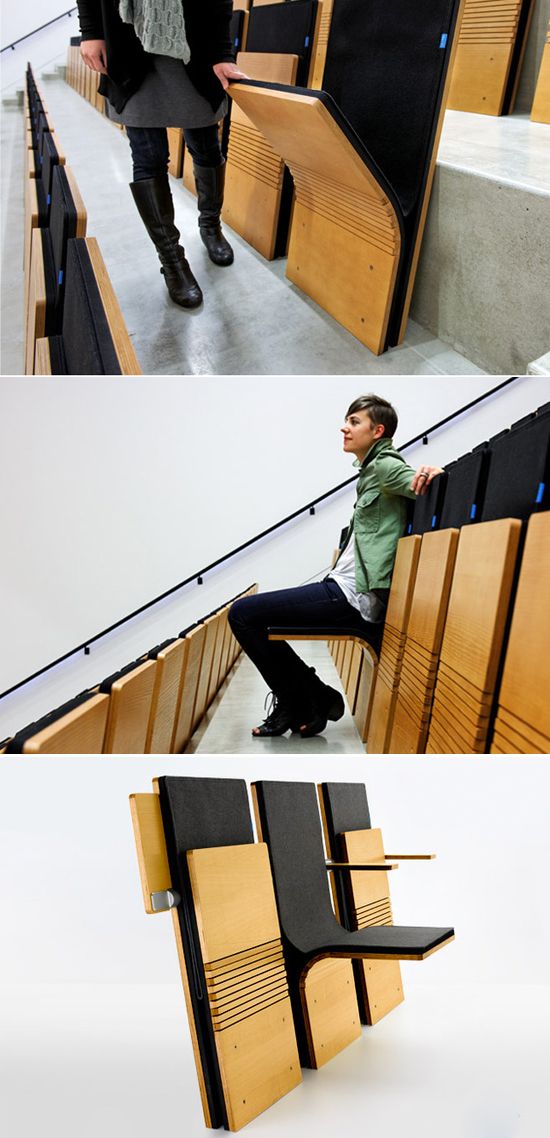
{"type": "Point", "coordinates": [167, 97]}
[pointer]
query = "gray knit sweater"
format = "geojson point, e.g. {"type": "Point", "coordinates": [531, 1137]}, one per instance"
{"type": "Point", "coordinates": [159, 24]}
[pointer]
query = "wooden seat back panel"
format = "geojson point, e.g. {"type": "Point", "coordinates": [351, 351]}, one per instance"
{"type": "Point", "coordinates": [164, 699]}
{"type": "Point", "coordinates": [253, 1027]}
{"type": "Point", "coordinates": [370, 897]}
{"type": "Point", "coordinates": [79, 732]}
{"type": "Point", "coordinates": [129, 710]}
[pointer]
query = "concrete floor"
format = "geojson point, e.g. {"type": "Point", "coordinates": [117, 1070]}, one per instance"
{"type": "Point", "coordinates": [253, 320]}
{"type": "Point", "coordinates": [239, 706]}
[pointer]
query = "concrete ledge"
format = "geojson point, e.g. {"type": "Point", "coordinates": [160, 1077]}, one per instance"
{"type": "Point", "coordinates": [483, 281]}
{"type": "Point", "coordinates": [540, 366]}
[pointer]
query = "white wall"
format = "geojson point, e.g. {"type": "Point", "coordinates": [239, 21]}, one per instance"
{"type": "Point", "coordinates": [44, 49]}
{"type": "Point", "coordinates": [118, 489]}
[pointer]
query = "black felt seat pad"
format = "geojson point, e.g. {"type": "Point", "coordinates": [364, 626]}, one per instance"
{"type": "Point", "coordinates": [286, 29]}
{"type": "Point", "coordinates": [153, 653]}
{"type": "Point", "coordinates": [428, 506]}
{"type": "Point", "coordinates": [346, 808]}
{"type": "Point", "coordinates": [17, 743]}
{"type": "Point", "coordinates": [87, 340]}
{"type": "Point", "coordinates": [519, 467]}
{"type": "Point", "coordinates": [63, 222]}
{"type": "Point", "coordinates": [291, 826]}
{"type": "Point", "coordinates": [465, 490]}
{"type": "Point", "coordinates": [385, 69]}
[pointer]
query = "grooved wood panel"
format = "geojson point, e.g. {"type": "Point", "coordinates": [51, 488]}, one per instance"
{"type": "Point", "coordinates": [365, 690]}
{"type": "Point", "coordinates": [540, 111]}
{"type": "Point", "coordinates": [382, 987]}
{"type": "Point", "coordinates": [526, 678]}
{"type": "Point", "coordinates": [246, 979]}
{"type": "Point", "coordinates": [516, 737]}
{"type": "Point", "coordinates": [393, 644]}
{"type": "Point", "coordinates": [191, 667]}
{"type": "Point", "coordinates": [484, 54]}
{"type": "Point", "coordinates": [164, 700]}
{"type": "Point", "coordinates": [201, 702]}
{"type": "Point", "coordinates": [35, 315]}
{"type": "Point", "coordinates": [216, 658]}
{"type": "Point", "coordinates": [423, 642]}
{"type": "Point", "coordinates": [320, 44]}
{"type": "Point", "coordinates": [129, 708]}
{"type": "Point", "coordinates": [331, 1012]}
{"type": "Point", "coordinates": [254, 172]}
{"type": "Point", "coordinates": [479, 599]}
{"type": "Point", "coordinates": [345, 241]}
{"type": "Point", "coordinates": [154, 871]}
{"type": "Point", "coordinates": [80, 732]}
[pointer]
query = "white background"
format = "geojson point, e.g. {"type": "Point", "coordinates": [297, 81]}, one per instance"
{"type": "Point", "coordinates": [95, 1034]}
{"type": "Point", "coordinates": [115, 490]}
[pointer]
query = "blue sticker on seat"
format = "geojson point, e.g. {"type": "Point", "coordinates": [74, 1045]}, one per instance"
{"type": "Point", "coordinates": [434, 519]}
{"type": "Point", "coordinates": [473, 512]}
{"type": "Point", "coordinates": [49, 199]}
{"type": "Point", "coordinates": [540, 494]}
{"type": "Point", "coordinates": [60, 277]}
{"type": "Point", "coordinates": [306, 41]}
{"type": "Point", "coordinates": [443, 40]}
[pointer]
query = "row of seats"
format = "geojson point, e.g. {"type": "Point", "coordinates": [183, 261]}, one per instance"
{"type": "Point", "coordinates": [490, 52]}
{"type": "Point", "coordinates": [326, 115]}
{"type": "Point", "coordinates": [463, 666]}
{"type": "Point", "coordinates": [72, 320]}
{"type": "Point", "coordinates": [277, 977]}
{"type": "Point", "coordinates": [151, 706]}
{"type": "Point", "coordinates": [508, 475]}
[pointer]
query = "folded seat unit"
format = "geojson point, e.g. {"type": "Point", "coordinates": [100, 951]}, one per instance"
{"type": "Point", "coordinates": [362, 155]}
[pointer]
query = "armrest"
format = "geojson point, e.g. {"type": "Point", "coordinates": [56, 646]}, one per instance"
{"type": "Point", "coordinates": [411, 857]}
{"type": "Point", "coordinates": [381, 866]}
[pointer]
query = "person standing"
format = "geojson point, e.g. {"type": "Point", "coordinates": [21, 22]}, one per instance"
{"type": "Point", "coordinates": [167, 63]}
{"type": "Point", "coordinates": [353, 595]}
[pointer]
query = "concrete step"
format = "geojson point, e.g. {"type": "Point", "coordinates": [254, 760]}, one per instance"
{"type": "Point", "coordinates": [483, 282]}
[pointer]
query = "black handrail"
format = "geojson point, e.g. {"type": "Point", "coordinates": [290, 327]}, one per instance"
{"type": "Point", "coordinates": [198, 577]}
{"type": "Point", "coordinates": [13, 45]}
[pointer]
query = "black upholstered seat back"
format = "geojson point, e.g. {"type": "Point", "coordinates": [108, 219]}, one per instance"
{"type": "Point", "coordinates": [428, 507]}
{"type": "Point", "coordinates": [346, 807]}
{"type": "Point", "coordinates": [385, 68]}
{"type": "Point", "coordinates": [291, 826]}
{"type": "Point", "coordinates": [87, 340]}
{"type": "Point", "coordinates": [287, 29]}
{"type": "Point", "coordinates": [200, 813]}
{"type": "Point", "coordinates": [517, 483]}
{"type": "Point", "coordinates": [63, 221]}
{"type": "Point", "coordinates": [464, 493]}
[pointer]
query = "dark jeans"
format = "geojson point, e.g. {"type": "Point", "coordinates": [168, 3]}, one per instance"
{"type": "Point", "coordinates": [319, 606]}
{"type": "Point", "coordinates": [150, 153]}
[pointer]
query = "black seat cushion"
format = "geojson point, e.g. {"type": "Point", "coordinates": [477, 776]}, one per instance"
{"type": "Point", "coordinates": [286, 29]}
{"type": "Point", "coordinates": [517, 482]}
{"type": "Point", "coordinates": [465, 489]}
{"type": "Point", "coordinates": [87, 340]}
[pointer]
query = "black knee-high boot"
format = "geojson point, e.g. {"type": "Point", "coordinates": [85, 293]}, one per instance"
{"type": "Point", "coordinates": [153, 199]}
{"type": "Point", "coordinates": [210, 182]}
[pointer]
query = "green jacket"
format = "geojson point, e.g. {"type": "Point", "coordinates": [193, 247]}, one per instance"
{"type": "Point", "coordinates": [380, 514]}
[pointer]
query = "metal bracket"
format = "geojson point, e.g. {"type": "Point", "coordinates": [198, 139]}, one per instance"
{"type": "Point", "coordinates": [164, 899]}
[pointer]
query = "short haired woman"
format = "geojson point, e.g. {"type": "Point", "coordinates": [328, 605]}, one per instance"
{"type": "Point", "coordinates": [355, 592]}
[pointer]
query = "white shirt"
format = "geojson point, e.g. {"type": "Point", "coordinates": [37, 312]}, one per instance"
{"type": "Point", "coordinates": [368, 604]}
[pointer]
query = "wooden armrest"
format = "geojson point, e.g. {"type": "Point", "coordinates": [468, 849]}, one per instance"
{"type": "Point", "coordinates": [367, 865]}
{"type": "Point", "coordinates": [411, 857]}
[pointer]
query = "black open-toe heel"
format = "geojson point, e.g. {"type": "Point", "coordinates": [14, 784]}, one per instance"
{"type": "Point", "coordinates": [278, 721]}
